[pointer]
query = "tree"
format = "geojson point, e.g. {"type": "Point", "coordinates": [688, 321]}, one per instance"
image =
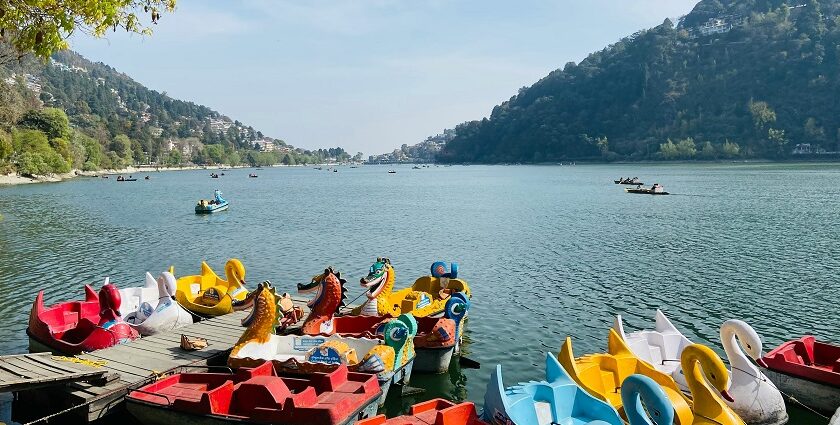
{"type": "Point", "coordinates": [121, 146]}
{"type": "Point", "coordinates": [730, 150]}
{"type": "Point", "coordinates": [708, 151]}
{"type": "Point", "coordinates": [686, 148]}
{"type": "Point", "coordinates": [5, 146]}
{"type": "Point", "coordinates": [762, 115]}
{"type": "Point", "coordinates": [668, 150]}
{"type": "Point", "coordinates": [43, 26]}
{"type": "Point", "coordinates": [814, 132]}
{"type": "Point", "coordinates": [778, 141]}
{"type": "Point", "coordinates": [53, 122]}
{"type": "Point", "coordinates": [215, 153]}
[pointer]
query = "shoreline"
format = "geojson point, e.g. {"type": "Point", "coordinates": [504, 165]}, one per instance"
{"type": "Point", "coordinates": [14, 179]}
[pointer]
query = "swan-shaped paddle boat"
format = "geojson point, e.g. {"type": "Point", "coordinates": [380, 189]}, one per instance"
{"type": "Point", "coordinates": [390, 359]}
{"type": "Point", "coordinates": [757, 400]}
{"type": "Point", "coordinates": [603, 375]}
{"type": "Point", "coordinates": [74, 327]}
{"type": "Point", "coordinates": [209, 295]}
{"type": "Point", "coordinates": [152, 308]}
{"type": "Point", "coordinates": [556, 400]}
{"type": "Point", "coordinates": [708, 380]}
{"type": "Point", "coordinates": [425, 298]}
{"type": "Point", "coordinates": [646, 402]}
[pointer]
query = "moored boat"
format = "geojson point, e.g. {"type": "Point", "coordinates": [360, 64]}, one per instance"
{"type": "Point", "coordinates": [256, 396]}
{"type": "Point", "coordinates": [432, 412]}
{"type": "Point", "coordinates": [152, 308]}
{"type": "Point", "coordinates": [73, 327]}
{"type": "Point", "coordinates": [216, 204]}
{"type": "Point", "coordinates": [390, 359]}
{"type": "Point", "coordinates": [808, 370]}
{"type": "Point", "coordinates": [209, 295]}
{"type": "Point", "coordinates": [436, 341]}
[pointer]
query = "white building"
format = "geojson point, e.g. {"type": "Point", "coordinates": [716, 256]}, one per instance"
{"type": "Point", "coordinates": [265, 145]}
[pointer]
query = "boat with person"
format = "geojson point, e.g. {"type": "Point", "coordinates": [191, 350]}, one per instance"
{"type": "Point", "coordinates": [256, 396]}
{"type": "Point", "coordinates": [126, 179]}
{"type": "Point", "coordinates": [75, 327]}
{"type": "Point", "coordinates": [252, 176]}
{"type": "Point", "coordinates": [209, 295]}
{"type": "Point", "coordinates": [207, 206]}
{"type": "Point", "coordinates": [629, 181]}
{"type": "Point", "coordinates": [392, 172]}
{"type": "Point", "coordinates": [656, 189]}
{"type": "Point", "coordinates": [390, 359]}
{"type": "Point", "coordinates": [152, 308]}
{"type": "Point", "coordinates": [808, 370]}
{"type": "Point", "coordinates": [437, 339]}
{"type": "Point", "coordinates": [214, 176]}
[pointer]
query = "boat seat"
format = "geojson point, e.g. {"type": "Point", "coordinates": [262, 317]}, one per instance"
{"type": "Point", "coordinates": [193, 398]}
{"type": "Point", "coordinates": [269, 393]}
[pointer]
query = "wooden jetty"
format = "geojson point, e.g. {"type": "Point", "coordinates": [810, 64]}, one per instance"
{"type": "Point", "coordinates": [32, 371]}
{"type": "Point", "coordinates": [125, 366]}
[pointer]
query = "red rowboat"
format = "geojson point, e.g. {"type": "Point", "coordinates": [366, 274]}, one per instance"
{"type": "Point", "coordinates": [74, 327]}
{"type": "Point", "coordinates": [808, 370]}
{"type": "Point", "coordinates": [432, 412]}
{"type": "Point", "coordinates": [257, 396]}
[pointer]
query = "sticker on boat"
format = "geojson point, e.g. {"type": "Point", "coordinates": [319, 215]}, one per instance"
{"type": "Point", "coordinates": [302, 343]}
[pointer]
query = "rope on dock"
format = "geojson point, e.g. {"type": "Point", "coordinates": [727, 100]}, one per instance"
{"type": "Point", "coordinates": [91, 363]}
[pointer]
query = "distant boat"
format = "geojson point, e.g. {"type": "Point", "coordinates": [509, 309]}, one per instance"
{"type": "Point", "coordinates": [415, 168]}
{"type": "Point", "coordinates": [628, 181]}
{"type": "Point", "coordinates": [656, 189]}
{"type": "Point", "coordinates": [214, 176]}
{"type": "Point", "coordinates": [146, 178]}
{"type": "Point", "coordinates": [214, 205]}
{"type": "Point", "coordinates": [335, 170]}
{"type": "Point", "coordinates": [252, 176]}
{"type": "Point", "coordinates": [392, 172]}
{"type": "Point", "coordinates": [123, 179]}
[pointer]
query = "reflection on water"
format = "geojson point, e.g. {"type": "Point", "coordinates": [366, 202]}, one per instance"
{"type": "Point", "coordinates": [548, 251]}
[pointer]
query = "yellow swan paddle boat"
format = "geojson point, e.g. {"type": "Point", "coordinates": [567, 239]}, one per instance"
{"type": "Point", "coordinates": [209, 295]}
{"type": "Point", "coordinates": [425, 298]}
{"type": "Point", "coordinates": [703, 367]}
{"type": "Point", "coordinates": [603, 374]}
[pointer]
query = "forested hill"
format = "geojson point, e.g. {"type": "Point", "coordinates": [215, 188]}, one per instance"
{"type": "Point", "coordinates": [734, 78]}
{"type": "Point", "coordinates": [73, 113]}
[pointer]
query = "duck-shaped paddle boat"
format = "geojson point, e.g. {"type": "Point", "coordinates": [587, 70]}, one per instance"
{"type": "Point", "coordinates": [152, 308]}
{"type": "Point", "coordinates": [556, 400]}
{"type": "Point", "coordinates": [425, 298]}
{"type": "Point", "coordinates": [808, 370]}
{"type": "Point", "coordinates": [437, 339]}
{"type": "Point", "coordinates": [757, 400]}
{"type": "Point", "coordinates": [708, 381]}
{"type": "Point", "coordinates": [74, 327]}
{"type": "Point", "coordinates": [256, 396]}
{"type": "Point", "coordinates": [646, 402]}
{"type": "Point", "coordinates": [602, 375]}
{"type": "Point", "coordinates": [390, 359]}
{"type": "Point", "coordinates": [432, 412]}
{"type": "Point", "coordinates": [207, 294]}
{"type": "Point", "coordinates": [205, 206]}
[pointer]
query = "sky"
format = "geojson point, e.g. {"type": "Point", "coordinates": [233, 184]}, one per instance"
{"type": "Point", "coordinates": [366, 75]}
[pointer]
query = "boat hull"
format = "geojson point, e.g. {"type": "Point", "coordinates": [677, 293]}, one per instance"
{"type": "Point", "coordinates": [211, 208]}
{"type": "Point", "coordinates": [433, 360]}
{"type": "Point", "coordinates": [816, 395]}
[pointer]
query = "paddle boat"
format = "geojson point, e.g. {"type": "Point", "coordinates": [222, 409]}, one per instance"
{"type": "Point", "coordinates": [123, 179]}
{"type": "Point", "coordinates": [656, 189]}
{"type": "Point", "coordinates": [808, 370]}
{"type": "Point", "coordinates": [602, 375]}
{"type": "Point", "coordinates": [390, 359]}
{"type": "Point", "coordinates": [757, 400]}
{"type": "Point", "coordinates": [432, 412]}
{"type": "Point", "coordinates": [556, 400]}
{"type": "Point", "coordinates": [152, 308]}
{"type": "Point", "coordinates": [256, 396]}
{"type": "Point", "coordinates": [209, 295]}
{"type": "Point", "coordinates": [427, 297]}
{"type": "Point", "coordinates": [628, 181]}
{"type": "Point", "coordinates": [392, 172]}
{"type": "Point", "coordinates": [252, 176]}
{"type": "Point", "coordinates": [74, 327]}
{"type": "Point", "coordinates": [216, 204]}
{"type": "Point", "coordinates": [436, 341]}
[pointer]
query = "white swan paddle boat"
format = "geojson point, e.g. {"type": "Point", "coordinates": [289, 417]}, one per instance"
{"type": "Point", "coordinates": [152, 308]}
{"type": "Point", "coordinates": [757, 400]}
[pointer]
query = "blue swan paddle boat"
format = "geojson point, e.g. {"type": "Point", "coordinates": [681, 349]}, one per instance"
{"type": "Point", "coordinates": [216, 204]}
{"type": "Point", "coordinates": [559, 400]}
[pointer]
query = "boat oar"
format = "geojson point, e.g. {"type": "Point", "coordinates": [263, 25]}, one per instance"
{"type": "Point", "coordinates": [468, 363]}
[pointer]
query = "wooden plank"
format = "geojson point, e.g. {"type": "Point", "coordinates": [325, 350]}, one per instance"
{"type": "Point", "coordinates": [47, 366]}
{"type": "Point", "coordinates": [66, 367]}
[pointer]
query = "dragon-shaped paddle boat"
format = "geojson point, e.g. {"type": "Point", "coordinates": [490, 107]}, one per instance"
{"type": "Point", "coordinates": [436, 341]}
{"type": "Point", "coordinates": [425, 298]}
{"type": "Point", "coordinates": [602, 375]}
{"type": "Point", "coordinates": [808, 370]}
{"type": "Point", "coordinates": [256, 396]}
{"type": "Point", "coordinates": [432, 412]}
{"type": "Point", "coordinates": [208, 295]}
{"type": "Point", "coordinates": [757, 400]}
{"type": "Point", "coordinates": [390, 359]}
{"type": "Point", "coordinates": [74, 327]}
{"type": "Point", "coordinates": [152, 308]}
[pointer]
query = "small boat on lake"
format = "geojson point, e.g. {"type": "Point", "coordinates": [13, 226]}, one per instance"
{"type": "Point", "coordinates": [629, 181]}
{"type": "Point", "coordinates": [432, 412]}
{"type": "Point", "coordinates": [152, 308]}
{"type": "Point", "coordinates": [209, 295]}
{"type": "Point", "coordinates": [656, 189]}
{"type": "Point", "coordinates": [74, 327]}
{"type": "Point", "coordinates": [214, 176]}
{"type": "Point", "coordinates": [436, 340]}
{"type": "Point", "coordinates": [146, 178]}
{"type": "Point", "coordinates": [257, 396]}
{"type": "Point", "coordinates": [124, 179]}
{"type": "Point", "coordinates": [252, 176]}
{"type": "Point", "coordinates": [808, 370]}
{"type": "Point", "coordinates": [392, 172]}
{"type": "Point", "coordinates": [216, 204]}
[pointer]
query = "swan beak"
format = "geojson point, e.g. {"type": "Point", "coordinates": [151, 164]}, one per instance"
{"type": "Point", "coordinates": [761, 362]}
{"type": "Point", "coordinates": [728, 397]}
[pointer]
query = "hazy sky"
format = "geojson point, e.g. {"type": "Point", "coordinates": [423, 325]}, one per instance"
{"type": "Point", "coordinates": [367, 75]}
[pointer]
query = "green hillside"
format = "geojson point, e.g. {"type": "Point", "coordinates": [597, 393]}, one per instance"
{"type": "Point", "coordinates": [733, 79]}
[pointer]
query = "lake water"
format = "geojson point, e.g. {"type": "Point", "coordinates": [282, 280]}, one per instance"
{"type": "Point", "coordinates": [549, 251]}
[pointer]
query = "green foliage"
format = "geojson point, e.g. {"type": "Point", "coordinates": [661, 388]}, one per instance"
{"type": "Point", "coordinates": [121, 146]}
{"type": "Point", "coordinates": [5, 146]}
{"type": "Point", "coordinates": [779, 69]}
{"type": "Point", "coordinates": [53, 122]}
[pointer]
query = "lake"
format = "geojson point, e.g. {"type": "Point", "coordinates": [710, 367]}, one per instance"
{"type": "Point", "coordinates": [549, 251]}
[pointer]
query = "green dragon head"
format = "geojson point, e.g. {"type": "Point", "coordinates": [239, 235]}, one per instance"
{"type": "Point", "coordinates": [377, 277]}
